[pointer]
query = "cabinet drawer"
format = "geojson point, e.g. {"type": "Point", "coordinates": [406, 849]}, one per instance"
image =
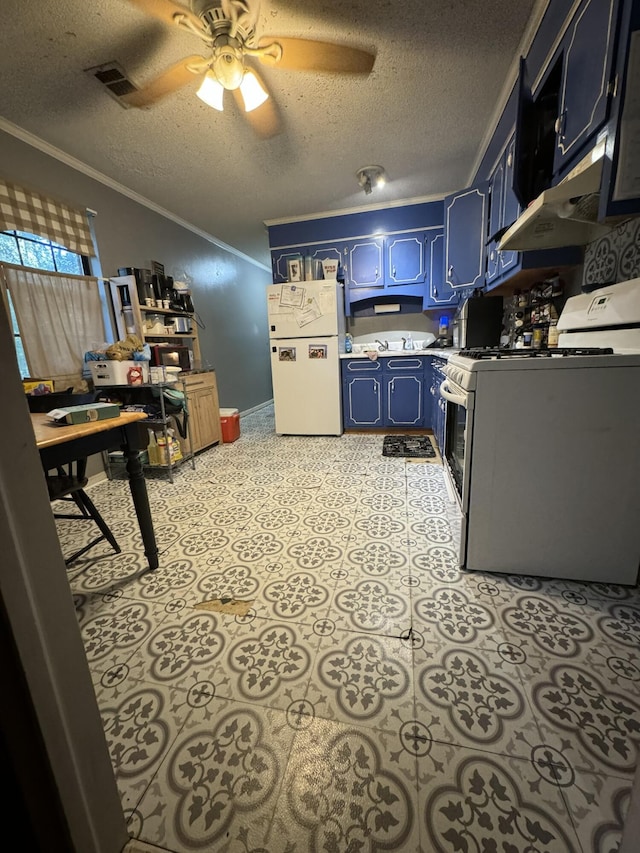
{"type": "Point", "coordinates": [362, 365]}
{"type": "Point", "coordinates": [399, 364]}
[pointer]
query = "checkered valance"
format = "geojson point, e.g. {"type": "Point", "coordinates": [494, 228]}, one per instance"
{"type": "Point", "coordinates": [25, 210]}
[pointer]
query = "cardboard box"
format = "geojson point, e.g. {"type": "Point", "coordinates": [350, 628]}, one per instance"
{"type": "Point", "coordinates": [115, 372]}
{"type": "Point", "coordinates": [85, 414]}
{"type": "Point", "coordinates": [37, 387]}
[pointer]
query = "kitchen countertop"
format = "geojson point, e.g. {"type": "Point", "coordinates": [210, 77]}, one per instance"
{"type": "Point", "coordinates": [437, 353]}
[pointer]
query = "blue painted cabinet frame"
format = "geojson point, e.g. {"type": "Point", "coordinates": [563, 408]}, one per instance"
{"type": "Point", "coordinates": [465, 226]}
{"type": "Point", "coordinates": [404, 397]}
{"type": "Point", "coordinates": [390, 392]}
{"type": "Point", "coordinates": [588, 56]}
{"type": "Point", "coordinates": [362, 393]}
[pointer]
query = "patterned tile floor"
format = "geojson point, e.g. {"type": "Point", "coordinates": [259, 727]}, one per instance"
{"type": "Point", "coordinates": [373, 697]}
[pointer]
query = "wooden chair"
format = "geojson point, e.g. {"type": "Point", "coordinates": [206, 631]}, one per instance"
{"type": "Point", "coordinates": [67, 484]}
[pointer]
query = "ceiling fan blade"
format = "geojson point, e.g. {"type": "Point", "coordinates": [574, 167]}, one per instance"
{"type": "Point", "coordinates": [308, 55]}
{"type": "Point", "coordinates": [166, 10]}
{"type": "Point", "coordinates": [170, 81]}
{"type": "Point", "coordinates": [265, 119]}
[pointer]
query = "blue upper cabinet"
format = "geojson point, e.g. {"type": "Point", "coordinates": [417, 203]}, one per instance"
{"type": "Point", "coordinates": [438, 293]}
{"type": "Point", "coordinates": [465, 226]}
{"type": "Point", "coordinates": [280, 262]}
{"type": "Point", "coordinates": [588, 55]}
{"type": "Point", "coordinates": [505, 209]}
{"type": "Point", "coordinates": [620, 194]}
{"type": "Point", "coordinates": [330, 252]}
{"type": "Point", "coordinates": [406, 259]}
{"type": "Point", "coordinates": [363, 262]}
{"type": "Point", "coordinates": [510, 206]}
{"type": "Point", "coordinates": [496, 219]}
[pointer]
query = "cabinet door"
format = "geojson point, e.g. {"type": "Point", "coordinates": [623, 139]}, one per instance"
{"type": "Point", "coordinates": [620, 196]}
{"type": "Point", "coordinates": [465, 216]}
{"type": "Point", "coordinates": [329, 252]}
{"type": "Point", "coordinates": [208, 417]}
{"type": "Point", "coordinates": [584, 96]}
{"type": "Point", "coordinates": [406, 259]}
{"type": "Point", "coordinates": [496, 204]}
{"type": "Point", "coordinates": [363, 262]}
{"type": "Point", "coordinates": [439, 292]}
{"type": "Point", "coordinates": [405, 400]}
{"type": "Point", "coordinates": [204, 411]}
{"type": "Point", "coordinates": [362, 393]}
{"type": "Point", "coordinates": [510, 206]}
{"type": "Point", "coordinates": [280, 259]}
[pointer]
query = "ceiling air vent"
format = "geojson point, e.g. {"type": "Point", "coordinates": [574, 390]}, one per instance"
{"type": "Point", "coordinates": [114, 79]}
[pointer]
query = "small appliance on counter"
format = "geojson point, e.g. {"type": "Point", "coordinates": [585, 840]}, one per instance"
{"type": "Point", "coordinates": [170, 355]}
{"type": "Point", "coordinates": [478, 322]}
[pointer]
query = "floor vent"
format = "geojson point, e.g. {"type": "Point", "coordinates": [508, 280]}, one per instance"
{"type": "Point", "coordinates": [114, 79]}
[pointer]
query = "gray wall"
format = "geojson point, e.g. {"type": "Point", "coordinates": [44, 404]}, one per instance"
{"type": "Point", "coordinates": [228, 291]}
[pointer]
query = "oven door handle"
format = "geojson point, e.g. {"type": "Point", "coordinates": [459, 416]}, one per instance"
{"type": "Point", "coordinates": [451, 396]}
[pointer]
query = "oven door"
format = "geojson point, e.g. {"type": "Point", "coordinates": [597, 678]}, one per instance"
{"type": "Point", "coordinates": [458, 435]}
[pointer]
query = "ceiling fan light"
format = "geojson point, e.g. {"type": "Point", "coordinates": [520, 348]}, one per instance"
{"type": "Point", "coordinates": [211, 92]}
{"type": "Point", "coordinates": [252, 92]}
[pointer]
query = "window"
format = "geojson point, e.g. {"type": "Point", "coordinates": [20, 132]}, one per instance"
{"type": "Point", "coordinates": [29, 250]}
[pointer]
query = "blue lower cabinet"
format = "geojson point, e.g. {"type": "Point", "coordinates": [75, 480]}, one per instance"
{"type": "Point", "coordinates": [362, 393]}
{"type": "Point", "coordinates": [391, 392]}
{"type": "Point", "coordinates": [404, 391]}
{"type": "Point", "coordinates": [437, 403]}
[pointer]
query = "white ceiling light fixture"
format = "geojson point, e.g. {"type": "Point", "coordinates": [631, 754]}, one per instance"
{"type": "Point", "coordinates": [371, 176]}
{"type": "Point", "coordinates": [253, 94]}
{"type": "Point", "coordinates": [211, 92]}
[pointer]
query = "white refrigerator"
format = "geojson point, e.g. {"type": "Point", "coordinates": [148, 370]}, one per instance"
{"type": "Point", "coordinates": [306, 337]}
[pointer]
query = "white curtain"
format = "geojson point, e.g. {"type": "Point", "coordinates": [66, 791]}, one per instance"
{"type": "Point", "coordinates": [59, 317]}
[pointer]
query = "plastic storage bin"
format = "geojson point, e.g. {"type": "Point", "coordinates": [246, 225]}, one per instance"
{"type": "Point", "coordinates": [230, 424]}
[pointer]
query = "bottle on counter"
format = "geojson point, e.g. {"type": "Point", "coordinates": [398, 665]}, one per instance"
{"type": "Point", "coordinates": [552, 337]}
{"type": "Point", "coordinates": [308, 268]}
{"type": "Point", "coordinates": [348, 343]}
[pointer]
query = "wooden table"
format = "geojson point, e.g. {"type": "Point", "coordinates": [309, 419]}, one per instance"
{"type": "Point", "coordinates": [60, 444]}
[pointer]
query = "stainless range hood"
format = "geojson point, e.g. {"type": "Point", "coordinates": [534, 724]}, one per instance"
{"type": "Point", "coordinates": [565, 215]}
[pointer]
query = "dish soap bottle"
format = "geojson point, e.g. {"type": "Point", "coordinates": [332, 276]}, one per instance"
{"type": "Point", "coordinates": [409, 342]}
{"type": "Point", "coordinates": [348, 343]}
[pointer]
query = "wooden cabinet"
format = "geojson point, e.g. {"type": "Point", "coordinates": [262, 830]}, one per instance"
{"type": "Point", "coordinates": [204, 410]}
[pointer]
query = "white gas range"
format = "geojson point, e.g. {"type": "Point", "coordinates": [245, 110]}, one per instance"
{"type": "Point", "coordinates": [543, 447]}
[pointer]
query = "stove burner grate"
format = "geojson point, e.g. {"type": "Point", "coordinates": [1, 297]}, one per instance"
{"type": "Point", "coordinates": [564, 352]}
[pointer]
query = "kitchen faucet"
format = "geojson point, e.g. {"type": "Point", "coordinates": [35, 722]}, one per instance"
{"type": "Point", "coordinates": [383, 346]}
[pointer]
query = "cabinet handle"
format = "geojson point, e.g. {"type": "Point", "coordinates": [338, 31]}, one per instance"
{"type": "Point", "coordinates": [612, 88]}
{"type": "Point", "coordinates": [510, 159]}
{"type": "Point", "coordinates": [560, 122]}
{"type": "Point", "coordinates": [450, 271]}
{"type": "Point", "coordinates": [393, 272]}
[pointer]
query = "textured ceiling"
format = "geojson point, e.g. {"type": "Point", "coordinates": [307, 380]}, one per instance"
{"type": "Point", "coordinates": [422, 113]}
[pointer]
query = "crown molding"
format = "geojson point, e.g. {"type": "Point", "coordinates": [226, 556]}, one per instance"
{"type": "Point", "coordinates": [62, 157]}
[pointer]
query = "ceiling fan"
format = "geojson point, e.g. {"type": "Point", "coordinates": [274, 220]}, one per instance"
{"type": "Point", "coordinates": [227, 29]}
